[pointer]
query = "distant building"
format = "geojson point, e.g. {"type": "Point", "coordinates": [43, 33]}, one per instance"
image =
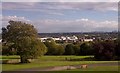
{"type": "Point", "coordinates": [87, 40]}
{"type": "Point", "coordinates": [43, 39]}
{"type": "Point", "coordinates": [63, 38]}
{"type": "Point", "coordinates": [0, 40]}
{"type": "Point", "coordinates": [56, 39]}
{"type": "Point", "coordinates": [114, 39]}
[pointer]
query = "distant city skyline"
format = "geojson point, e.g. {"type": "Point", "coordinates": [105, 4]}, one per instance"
{"type": "Point", "coordinates": [51, 17]}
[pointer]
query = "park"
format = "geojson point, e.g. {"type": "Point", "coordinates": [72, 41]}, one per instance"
{"type": "Point", "coordinates": [22, 51]}
{"type": "Point", "coordinates": [46, 62]}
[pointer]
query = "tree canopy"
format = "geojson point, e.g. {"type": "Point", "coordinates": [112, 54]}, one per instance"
{"type": "Point", "coordinates": [54, 48]}
{"type": "Point", "coordinates": [24, 38]}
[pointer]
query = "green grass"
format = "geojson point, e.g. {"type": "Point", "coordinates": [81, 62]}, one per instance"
{"type": "Point", "coordinates": [47, 61]}
{"type": "Point", "coordinates": [79, 72]}
{"type": "Point", "coordinates": [98, 68]}
{"type": "Point", "coordinates": [9, 57]}
{"type": "Point", "coordinates": [46, 57]}
{"type": "Point", "coordinates": [61, 58]}
{"type": "Point", "coordinates": [45, 64]}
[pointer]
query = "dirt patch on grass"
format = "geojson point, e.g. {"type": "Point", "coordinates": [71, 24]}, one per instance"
{"type": "Point", "coordinates": [69, 67]}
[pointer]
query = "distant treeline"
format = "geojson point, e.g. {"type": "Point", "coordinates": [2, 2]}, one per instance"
{"type": "Point", "coordinates": [80, 34]}
{"type": "Point", "coordinates": [101, 50]}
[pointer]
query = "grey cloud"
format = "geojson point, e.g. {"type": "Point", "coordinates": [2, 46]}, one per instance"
{"type": "Point", "coordinates": [75, 25]}
{"type": "Point", "coordinates": [78, 25]}
{"type": "Point", "coordinates": [99, 6]}
{"type": "Point", "coordinates": [5, 19]}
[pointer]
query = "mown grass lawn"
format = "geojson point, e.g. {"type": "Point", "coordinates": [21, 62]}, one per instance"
{"type": "Point", "coordinates": [48, 61]}
{"type": "Point", "coordinates": [98, 68]}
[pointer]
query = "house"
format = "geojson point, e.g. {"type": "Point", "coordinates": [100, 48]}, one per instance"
{"type": "Point", "coordinates": [56, 39]}
{"type": "Point", "coordinates": [0, 40]}
{"type": "Point", "coordinates": [63, 38]}
{"type": "Point", "coordinates": [43, 39]}
{"type": "Point", "coordinates": [87, 40]}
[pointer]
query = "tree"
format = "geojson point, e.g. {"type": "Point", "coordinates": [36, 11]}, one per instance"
{"type": "Point", "coordinates": [5, 50]}
{"type": "Point", "coordinates": [6, 46]}
{"type": "Point", "coordinates": [60, 49]}
{"type": "Point", "coordinates": [86, 49]}
{"type": "Point", "coordinates": [69, 49]}
{"type": "Point", "coordinates": [51, 45]}
{"type": "Point", "coordinates": [104, 50]}
{"type": "Point", "coordinates": [54, 48]}
{"type": "Point", "coordinates": [77, 49]}
{"type": "Point", "coordinates": [108, 50]}
{"type": "Point", "coordinates": [117, 48]}
{"type": "Point", "coordinates": [4, 35]}
{"type": "Point", "coordinates": [23, 37]}
{"type": "Point", "coordinates": [98, 47]}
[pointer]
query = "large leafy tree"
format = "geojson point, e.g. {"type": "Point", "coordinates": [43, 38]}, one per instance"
{"type": "Point", "coordinates": [104, 50]}
{"type": "Point", "coordinates": [54, 48]}
{"type": "Point", "coordinates": [117, 48]}
{"type": "Point", "coordinates": [86, 48]}
{"type": "Point", "coordinates": [69, 49]}
{"type": "Point", "coordinates": [77, 49]}
{"type": "Point", "coordinates": [23, 38]}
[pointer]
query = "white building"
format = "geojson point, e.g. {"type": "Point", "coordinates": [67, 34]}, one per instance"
{"type": "Point", "coordinates": [43, 39]}
{"type": "Point", "coordinates": [87, 40]}
{"type": "Point", "coordinates": [0, 40]}
{"type": "Point", "coordinates": [63, 38]}
{"type": "Point", "coordinates": [56, 39]}
{"type": "Point", "coordinates": [73, 38]}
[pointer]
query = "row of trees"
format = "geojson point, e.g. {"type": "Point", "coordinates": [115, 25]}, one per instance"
{"type": "Point", "coordinates": [107, 50]}
{"type": "Point", "coordinates": [21, 39]}
{"type": "Point", "coordinates": [102, 50]}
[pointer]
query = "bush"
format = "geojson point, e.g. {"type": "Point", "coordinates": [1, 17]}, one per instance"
{"type": "Point", "coordinates": [86, 49]}
{"type": "Point", "coordinates": [69, 49]}
{"type": "Point", "coordinates": [54, 48]}
{"type": "Point", "coordinates": [77, 49]}
{"type": "Point", "coordinates": [5, 50]}
{"type": "Point", "coordinates": [104, 50]}
{"type": "Point", "coordinates": [117, 49]}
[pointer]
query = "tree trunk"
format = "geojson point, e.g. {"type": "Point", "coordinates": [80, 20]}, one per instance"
{"type": "Point", "coordinates": [24, 59]}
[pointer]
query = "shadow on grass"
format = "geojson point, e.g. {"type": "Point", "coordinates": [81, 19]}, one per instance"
{"type": "Point", "coordinates": [10, 58]}
{"type": "Point", "coordinates": [13, 62]}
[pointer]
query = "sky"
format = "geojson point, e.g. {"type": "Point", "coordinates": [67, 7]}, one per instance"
{"type": "Point", "coordinates": [53, 17]}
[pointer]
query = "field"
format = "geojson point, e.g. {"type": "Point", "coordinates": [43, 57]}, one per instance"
{"type": "Point", "coordinates": [54, 61]}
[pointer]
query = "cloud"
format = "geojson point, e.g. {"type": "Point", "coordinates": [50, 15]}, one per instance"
{"type": "Point", "coordinates": [31, 7]}
{"type": "Point", "coordinates": [54, 6]}
{"type": "Point", "coordinates": [6, 19]}
{"type": "Point", "coordinates": [60, 1]}
{"type": "Point", "coordinates": [77, 25]}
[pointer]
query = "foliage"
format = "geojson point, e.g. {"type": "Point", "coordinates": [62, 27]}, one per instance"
{"type": "Point", "coordinates": [5, 50]}
{"type": "Point", "coordinates": [54, 48]}
{"type": "Point", "coordinates": [117, 48]}
{"type": "Point", "coordinates": [60, 49]}
{"type": "Point", "coordinates": [77, 49]}
{"type": "Point", "coordinates": [23, 38]}
{"type": "Point", "coordinates": [69, 49]}
{"type": "Point", "coordinates": [4, 34]}
{"type": "Point", "coordinates": [104, 50]}
{"type": "Point", "coordinates": [86, 48]}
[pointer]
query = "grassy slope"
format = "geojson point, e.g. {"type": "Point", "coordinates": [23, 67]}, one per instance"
{"type": "Point", "coordinates": [47, 61]}
{"type": "Point", "coordinates": [98, 68]}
